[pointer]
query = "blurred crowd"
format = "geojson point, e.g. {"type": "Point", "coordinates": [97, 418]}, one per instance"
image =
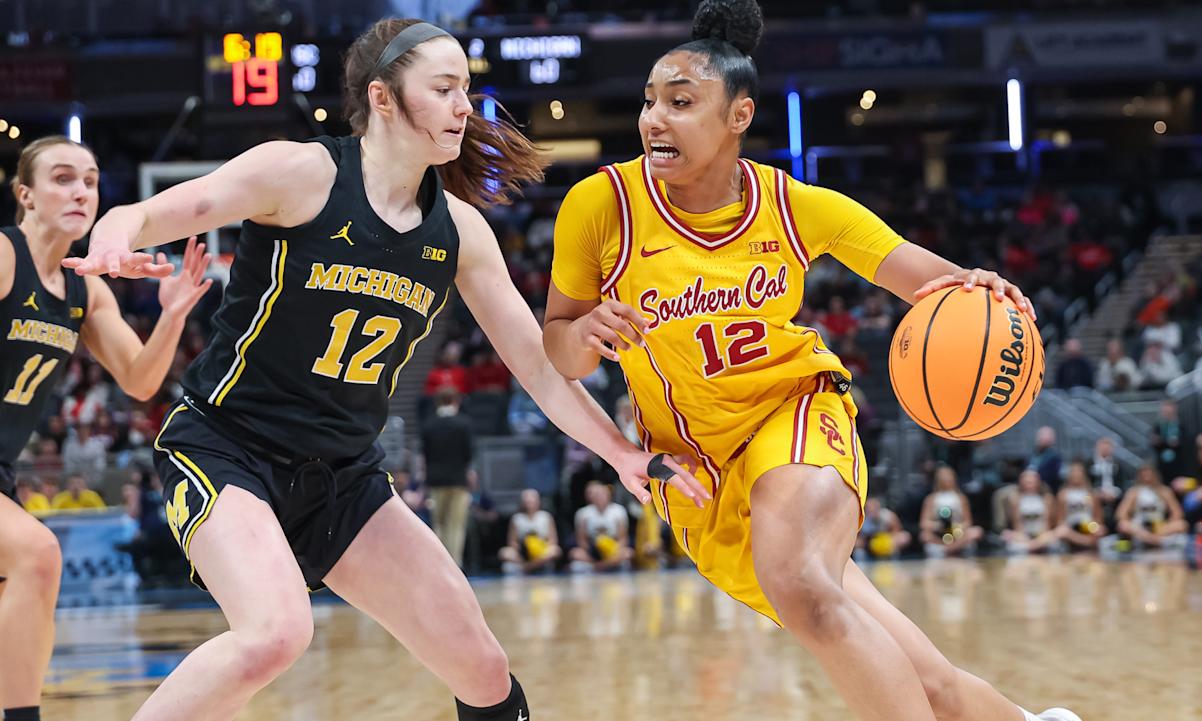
{"type": "Point", "coordinates": [1049, 504]}
{"type": "Point", "coordinates": [574, 513]}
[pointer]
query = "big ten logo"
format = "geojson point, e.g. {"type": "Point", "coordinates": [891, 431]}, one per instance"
{"type": "Point", "coordinates": [439, 254]}
{"type": "Point", "coordinates": [759, 247]}
{"type": "Point", "coordinates": [830, 429]}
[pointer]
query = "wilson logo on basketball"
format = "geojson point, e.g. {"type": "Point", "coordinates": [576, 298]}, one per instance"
{"type": "Point", "coordinates": [834, 438]}
{"type": "Point", "coordinates": [1012, 364]}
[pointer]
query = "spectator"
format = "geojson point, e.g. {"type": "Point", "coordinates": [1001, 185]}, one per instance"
{"type": "Point", "coordinates": [413, 493]}
{"type": "Point", "coordinates": [625, 421]}
{"type": "Point", "coordinates": [1166, 440]}
{"type": "Point", "coordinates": [527, 420]}
{"type": "Point", "coordinates": [881, 535]}
{"type": "Point", "coordinates": [1186, 483]}
{"type": "Point", "coordinates": [854, 359]}
{"type": "Point", "coordinates": [807, 318]}
{"type": "Point", "coordinates": [1091, 259]}
{"type": "Point", "coordinates": [602, 532]}
{"type": "Point", "coordinates": [1032, 517]}
{"type": "Point", "coordinates": [447, 447]}
{"type": "Point", "coordinates": [83, 452]}
{"type": "Point", "coordinates": [1163, 331]}
{"type": "Point", "coordinates": [1158, 366]}
{"type": "Point", "coordinates": [488, 374]}
{"type": "Point", "coordinates": [1149, 514]}
{"type": "Point", "coordinates": [153, 551]}
{"type": "Point", "coordinates": [48, 486]}
{"type": "Point", "coordinates": [77, 496]}
{"type": "Point", "coordinates": [875, 315]}
{"type": "Point", "coordinates": [1075, 370]}
{"type": "Point", "coordinates": [448, 371]}
{"type": "Point", "coordinates": [485, 535]}
{"type": "Point", "coordinates": [88, 398]}
{"type": "Point", "coordinates": [837, 319]}
{"type": "Point", "coordinates": [1047, 461]}
{"type": "Point", "coordinates": [1080, 511]}
{"type": "Point", "coordinates": [47, 463]}
{"type": "Point", "coordinates": [30, 498]}
{"type": "Point", "coordinates": [55, 430]}
{"type": "Point", "coordinates": [1117, 371]}
{"type": "Point", "coordinates": [533, 542]}
{"type": "Point", "coordinates": [1157, 300]}
{"type": "Point", "coordinates": [946, 523]}
{"type": "Point", "coordinates": [1106, 474]}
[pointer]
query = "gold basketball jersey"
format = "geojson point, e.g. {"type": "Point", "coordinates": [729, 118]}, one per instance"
{"type": "Point", "coordinates": [721, 352]}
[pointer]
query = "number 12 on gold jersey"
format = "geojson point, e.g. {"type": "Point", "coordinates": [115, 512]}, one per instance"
{"type": "Point", "coordinates": [746, 345]}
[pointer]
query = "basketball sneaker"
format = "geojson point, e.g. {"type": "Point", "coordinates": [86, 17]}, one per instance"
{"type": "Point", "coordinates": [1058, 714]}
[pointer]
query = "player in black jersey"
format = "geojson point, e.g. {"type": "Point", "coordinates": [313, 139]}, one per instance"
{"type": "Point", "coordinates": [44, 313]}
{"type": "Point", "coordinates": [271, 469]}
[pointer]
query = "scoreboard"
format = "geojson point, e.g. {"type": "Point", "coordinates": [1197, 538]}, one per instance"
{"type": "Point", "coordinates": [246, 71]}
{"type": "Point", "coordinates": [526, 59]}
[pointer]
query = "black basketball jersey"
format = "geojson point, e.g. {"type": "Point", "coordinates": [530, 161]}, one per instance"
{"type": "Point", "coordinates": [40, 334]}
{"type": "Point", "coordinates": [318, 320]}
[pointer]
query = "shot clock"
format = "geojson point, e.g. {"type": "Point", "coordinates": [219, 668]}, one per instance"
{"type": "Point", "coordinates": [246, 71]}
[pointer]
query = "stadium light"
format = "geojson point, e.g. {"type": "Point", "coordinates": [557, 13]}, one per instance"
{"type": "Point", "coordinates": [75, 128]}
{"type": "Point", "coordinates": [1014, 112]}
{"type": "Point", "coordinates": [490, 109]}
{"type": "Point", "coordinates": [795, 145]}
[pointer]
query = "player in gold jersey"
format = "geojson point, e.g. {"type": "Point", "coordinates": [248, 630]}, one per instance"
{"type": "Point", "coordinates": [686, 266]}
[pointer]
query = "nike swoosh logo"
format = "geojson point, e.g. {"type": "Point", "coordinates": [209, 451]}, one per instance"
{"type": "Point", "coordinates": [648, 253]}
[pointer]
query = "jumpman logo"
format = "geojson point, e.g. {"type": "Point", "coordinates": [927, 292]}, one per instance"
{"type": "Point", "coordinates": [32, 301]}
{"type": "Point", "coordinates": [344, 234]}
{"type": "Point", "coordinates": [521, 717]}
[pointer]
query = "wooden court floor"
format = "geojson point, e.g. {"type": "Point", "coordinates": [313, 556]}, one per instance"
{"type": "Point", "coordinates": [1114, 641]}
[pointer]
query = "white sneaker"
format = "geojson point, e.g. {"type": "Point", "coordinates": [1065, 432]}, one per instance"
{"type": "Point", "coordinates": [1059, 714]}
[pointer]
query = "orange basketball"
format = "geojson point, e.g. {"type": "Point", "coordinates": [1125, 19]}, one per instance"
{"type": "Point", "coordinates": [965, 365]}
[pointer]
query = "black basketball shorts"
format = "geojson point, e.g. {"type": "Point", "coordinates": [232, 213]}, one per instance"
{"type": "Point", "coordinates": [321, 506]}
{"type": "Point", "coordinates": [8, 482]}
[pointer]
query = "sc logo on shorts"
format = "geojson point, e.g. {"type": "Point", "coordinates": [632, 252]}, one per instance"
{"type": "Point", "coordinates": [438, 254]}
{"type": "Point", "coordinates": [830, 429]}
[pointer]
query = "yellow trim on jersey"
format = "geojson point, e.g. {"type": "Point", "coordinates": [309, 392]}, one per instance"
{"type": "Point", "coordinates": [208, 505]}
{"type": "Point", "coordinates": [163, 428]}
{"type": "Point", "coordinates": [224, 387]}
{"type": "Point", "coordinates": [409, 354]}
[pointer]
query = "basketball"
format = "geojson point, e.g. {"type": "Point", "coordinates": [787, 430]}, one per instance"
{"type": "Point", "coordinates": [964, 365]}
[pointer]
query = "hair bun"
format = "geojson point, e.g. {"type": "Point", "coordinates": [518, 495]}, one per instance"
{"type": "Point", "coordinates": [738, 22]}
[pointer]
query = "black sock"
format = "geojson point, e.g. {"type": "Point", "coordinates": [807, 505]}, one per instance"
{"type": "Point", "coordinates": [513, 708]}
{"type": "Point", "coordinates": [25, 713]}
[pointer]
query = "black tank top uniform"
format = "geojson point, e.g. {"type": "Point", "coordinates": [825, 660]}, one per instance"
{"type": "Point", "coordinates": [289, 397]}
{"type": "Point", "coordinates": [41, 332]}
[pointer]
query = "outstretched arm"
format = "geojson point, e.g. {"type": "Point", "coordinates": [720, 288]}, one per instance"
{"type": "Point", "coordinates": [261, 184]}
{"type": "Point", "coordinates": [140, 369]}
{"type": "Point", "coordinates": [484, 283]}
{"type": "Point", "coordinates": [912, 272]}
{"type": "Point", "coordinates": [830, 222]}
